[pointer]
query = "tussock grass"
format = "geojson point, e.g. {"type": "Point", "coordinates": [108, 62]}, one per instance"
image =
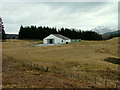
{"type": "Point", "coordinates": [87, 56]}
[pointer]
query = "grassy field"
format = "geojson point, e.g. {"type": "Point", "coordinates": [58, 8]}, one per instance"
{"type": "Point", "coordinates": [91, 58]}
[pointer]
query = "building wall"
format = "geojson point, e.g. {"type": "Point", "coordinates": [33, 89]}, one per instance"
{"type": "Point", "coordinates": [69, 41]}
{"type": "Point", "coordinates": [56, 40]}
{"type": "Point", "coordinates": [75, 40]}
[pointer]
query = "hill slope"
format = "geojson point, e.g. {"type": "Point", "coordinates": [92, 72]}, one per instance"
{"type": "Point", "coordinates": [109, 33]}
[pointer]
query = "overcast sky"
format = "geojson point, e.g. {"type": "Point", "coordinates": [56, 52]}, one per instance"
{"type": "Point", "coordinates": [79, 15]}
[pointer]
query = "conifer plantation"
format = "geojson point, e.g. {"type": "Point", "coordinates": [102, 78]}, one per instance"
{"type": "Point", "coordinates": [33, 32]}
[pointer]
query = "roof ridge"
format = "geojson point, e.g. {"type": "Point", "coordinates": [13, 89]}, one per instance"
{"type": "Point", "coordinates": [61, 36]}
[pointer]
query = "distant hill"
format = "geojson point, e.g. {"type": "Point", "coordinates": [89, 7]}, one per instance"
{"type": "Point", "coordinates": [114, 32]}
{"type": "Point", "coordinates": [110, 35]}
{"type": "Point", "coordinates": [107, 32]}
{"type": "Point", "coordinates": [103, 29]}
{"type": "Point", "coordinates": [12, 36]}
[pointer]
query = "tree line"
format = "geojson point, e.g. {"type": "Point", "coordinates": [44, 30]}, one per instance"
{"type": "Point", "coordinates": [33, 32]}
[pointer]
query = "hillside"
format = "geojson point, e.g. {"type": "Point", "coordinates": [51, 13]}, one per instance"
{"type": "Point", "coordinates": [104, 29]}
{"type": "Point", "coordinates": [89, 58]}
{"type": "Point", "coordinates": [109, 33]}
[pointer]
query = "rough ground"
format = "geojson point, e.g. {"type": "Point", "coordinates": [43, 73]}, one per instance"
{"type": "Point", "coordinates": [17, 76]}
{"type": "Point", "coordinates": [94, 58]}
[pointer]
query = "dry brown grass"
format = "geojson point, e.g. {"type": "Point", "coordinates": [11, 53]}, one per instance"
{"type": "Point", "coordinates": [87, 56]}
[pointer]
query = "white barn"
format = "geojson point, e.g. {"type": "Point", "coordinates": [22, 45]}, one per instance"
{"type": "Point", "coordinates": [56, 39]}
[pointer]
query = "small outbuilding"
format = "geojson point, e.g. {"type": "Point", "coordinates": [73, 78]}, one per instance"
{"type": "Point", "coordinates": [56, 39]}
{"type": "Point", "coordinates": [75, 40]}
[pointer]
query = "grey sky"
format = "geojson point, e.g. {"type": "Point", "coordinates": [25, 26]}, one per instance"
{"type": "Point", "coordinates": [79, 15]}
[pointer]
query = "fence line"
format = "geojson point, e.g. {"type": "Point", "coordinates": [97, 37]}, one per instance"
{"type": "Point", "coordinates": [71, 75]}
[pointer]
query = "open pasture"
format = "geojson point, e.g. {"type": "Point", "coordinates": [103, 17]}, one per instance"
{"type": "Point", "coordinates": [88, 57]}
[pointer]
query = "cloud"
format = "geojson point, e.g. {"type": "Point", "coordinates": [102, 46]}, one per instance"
{"type": "Point", "coordinates": [80, 15]}
{"type": "Point", "coordinates": [60, 0]}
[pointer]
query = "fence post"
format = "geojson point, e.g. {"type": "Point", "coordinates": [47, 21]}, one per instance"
{"type": "Point", "coordinates": [71, 75]}
{"type": "Point", "coordinates": [86, 79]}
{"type": "Point", "coordinates": [35, 66]}
{"type": "Point", "coordinates": [28, 64]}
{"type": "Point", "coordinates": [38, 66]}
{"type": "Point", "coordinates": [106, 81]}
{"type": "Point", "coordinates": [78, 76]}
{"type": "Point", "coordinates": [95, 80]}
{"type": "Point", "coordinates": [117, 84]}
{"type": "Point", "coordinates": [100, 81]}
{"type": "Point", "coordinates": [31, 66]}
{"type": "Point", "coordinates": [24, 63]}
{"type": "Point", "coordinates": [64, 74]}
{"type": "Point", "coordinates": [20, 61]}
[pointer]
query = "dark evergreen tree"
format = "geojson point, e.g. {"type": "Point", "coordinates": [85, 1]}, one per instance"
{"type": "Point", "coordinates": [21, 33]}
{"type": "Point", "coordinates": [2, 31]}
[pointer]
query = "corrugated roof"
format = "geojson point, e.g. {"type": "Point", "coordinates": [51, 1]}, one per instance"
{"type": "Point", "coordinates": [61, 36]}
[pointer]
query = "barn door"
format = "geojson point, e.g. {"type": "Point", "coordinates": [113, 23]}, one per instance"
{"type": "Point", "coordinates": [50, 41]}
